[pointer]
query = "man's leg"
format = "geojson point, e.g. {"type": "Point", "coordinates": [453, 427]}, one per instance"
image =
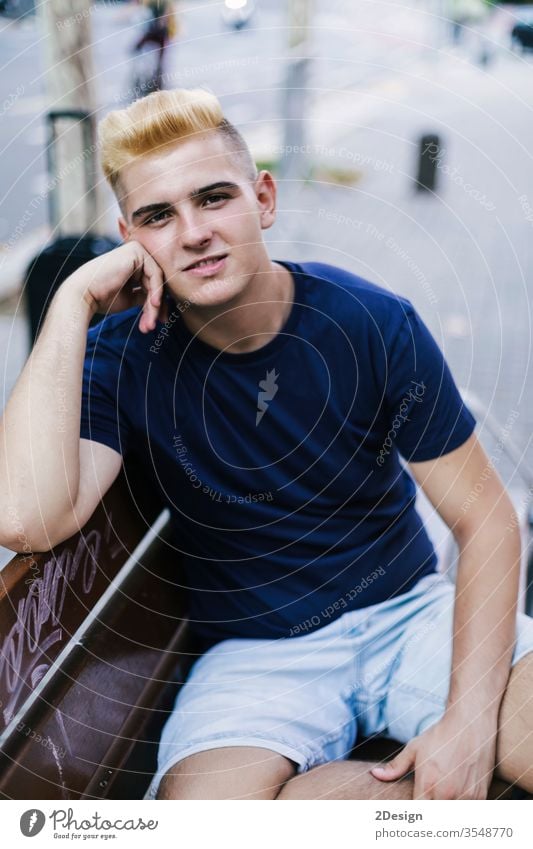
{"type": "Point", "coordinates": [352, 780]}
{"type": "Point", "coordinates": [344, 780]}
{"type": "Point", "coordinates": [253, 773]}
{"type": "Point", "coordinates": [514, 758]}
{"type": "Point", "coordinates": [234, 772]}
{"type": "Point", "coordinates": [514, 754]}
{"type": "Point", "coordinates": [257, 710]}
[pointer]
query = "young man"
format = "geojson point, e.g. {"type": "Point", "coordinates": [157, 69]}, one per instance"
{"type": "Point", "coordinates": [270, 402]}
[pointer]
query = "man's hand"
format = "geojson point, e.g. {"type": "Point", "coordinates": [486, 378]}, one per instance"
{"type": "Point", "coordinates": [123, 278]}
{"type": "Point", "coordinates": [454, 759]}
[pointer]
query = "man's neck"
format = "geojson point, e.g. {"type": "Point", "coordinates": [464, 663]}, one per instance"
{"type": "Point", "coordinates": [252, 319]}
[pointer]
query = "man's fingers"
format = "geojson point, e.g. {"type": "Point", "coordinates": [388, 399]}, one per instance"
{"type": "Point", "coordinates": [395, 768]}
{"type": "Point", "coordinates": [164, 311]}
{"type": "Point", "coordinates": [153, 284]}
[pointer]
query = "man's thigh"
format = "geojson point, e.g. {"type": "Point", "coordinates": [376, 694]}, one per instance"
{"type": "Point", "coordinates": [235, 772]}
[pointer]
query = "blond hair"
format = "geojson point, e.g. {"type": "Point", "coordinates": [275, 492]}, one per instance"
{"type": "Point", "coordinates": [159, 120]}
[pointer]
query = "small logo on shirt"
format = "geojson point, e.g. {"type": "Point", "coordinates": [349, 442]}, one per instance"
{"type": "Point", "coordinates": [267, 390]}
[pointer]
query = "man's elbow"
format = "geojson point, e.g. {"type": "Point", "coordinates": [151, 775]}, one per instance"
{"type": "Point", "coordinates": [24, 535]}
{"type": "Point", "coordinates": [31, 544]}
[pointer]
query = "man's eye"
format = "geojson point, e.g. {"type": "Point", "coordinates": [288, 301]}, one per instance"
{"type": "Point", "coordinates": [157, 217]}
{"type": "Point", "coordinates": [211, 199]}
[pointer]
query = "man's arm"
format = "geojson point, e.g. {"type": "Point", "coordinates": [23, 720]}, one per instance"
{"type": "Point", "coordinates": [455, 758]}
{"type": "Point", "coordinates": [52, 480]}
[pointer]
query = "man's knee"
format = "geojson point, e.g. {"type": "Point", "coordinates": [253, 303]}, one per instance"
{"type": "Point", "coordinates": [234, 772]}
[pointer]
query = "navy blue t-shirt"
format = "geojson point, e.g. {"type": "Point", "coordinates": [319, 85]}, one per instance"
{"type": "Point", "coordinates": [281, 466]}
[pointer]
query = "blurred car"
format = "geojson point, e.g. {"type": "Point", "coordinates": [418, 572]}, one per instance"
{"type": "Point", "coordinates": [237, 13]}
{"type": "Point", "coordinates": [511, 25]}
{"type": "Point", "coordinates": [522, 31]}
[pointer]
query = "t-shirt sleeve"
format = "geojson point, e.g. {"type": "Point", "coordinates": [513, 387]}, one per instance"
{"type": "Point", "coordinates": [102, 419]}
{"type": "Point", "coordinates": [425, 411]}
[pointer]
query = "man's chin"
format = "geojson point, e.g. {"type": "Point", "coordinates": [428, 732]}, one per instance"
{"type": "Point", "coordinates": [209, 292]}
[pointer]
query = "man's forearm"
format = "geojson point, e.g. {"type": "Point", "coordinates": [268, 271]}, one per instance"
{"type": "Point", "coordinates": [485, 615]}
{"type": "Point", "coordinates": [40, 428]}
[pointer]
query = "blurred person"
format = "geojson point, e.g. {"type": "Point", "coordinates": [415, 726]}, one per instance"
{"type": "Point", "coordinates": [271, 403]}
{"type": "Point", "coordinates": [161, 28]}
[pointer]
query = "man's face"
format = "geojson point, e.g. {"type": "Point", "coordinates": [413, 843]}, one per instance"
{"type": "Point", "coordinates": [194, 202]}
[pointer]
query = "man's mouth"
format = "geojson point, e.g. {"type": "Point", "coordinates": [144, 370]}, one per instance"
{"type": "Point", "coordinates": [207, 265]}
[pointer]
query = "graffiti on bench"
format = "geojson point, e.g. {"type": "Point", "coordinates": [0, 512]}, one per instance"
{"type": "Point", "coordinates": [38, 616]}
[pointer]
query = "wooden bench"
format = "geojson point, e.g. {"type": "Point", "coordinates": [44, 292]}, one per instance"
{"type": "Point", "coordinates": [94, 647]}
{"type": "Point", "coordinates": [92, 634]}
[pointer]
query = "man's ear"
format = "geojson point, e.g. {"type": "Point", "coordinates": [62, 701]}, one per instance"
{"type": "Point", "coordinates": [123, 229]}
{"type": "Point", "coordinates": [265, 189]}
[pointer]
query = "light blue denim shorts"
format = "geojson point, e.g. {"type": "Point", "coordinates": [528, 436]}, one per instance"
{"type": "Point", "coordinates": [382, 670]}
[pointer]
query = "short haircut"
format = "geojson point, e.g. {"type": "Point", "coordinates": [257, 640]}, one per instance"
{"type": "Point", "coordinates": [159, 120]}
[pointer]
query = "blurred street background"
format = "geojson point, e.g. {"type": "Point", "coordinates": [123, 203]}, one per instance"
{"type": "Point", "coordinates": [335, 97]}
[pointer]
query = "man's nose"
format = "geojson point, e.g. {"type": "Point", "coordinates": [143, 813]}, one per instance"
{"type": "Point", "coordinates": [196, 233]}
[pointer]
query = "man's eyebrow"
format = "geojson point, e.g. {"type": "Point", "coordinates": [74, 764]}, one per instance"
{"type": "Point", "coordinates": [194, 195]}
{"type": "Point", "coordinates": [222, 184]}
{"type": "Point", "coordinates": [152, 207]}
